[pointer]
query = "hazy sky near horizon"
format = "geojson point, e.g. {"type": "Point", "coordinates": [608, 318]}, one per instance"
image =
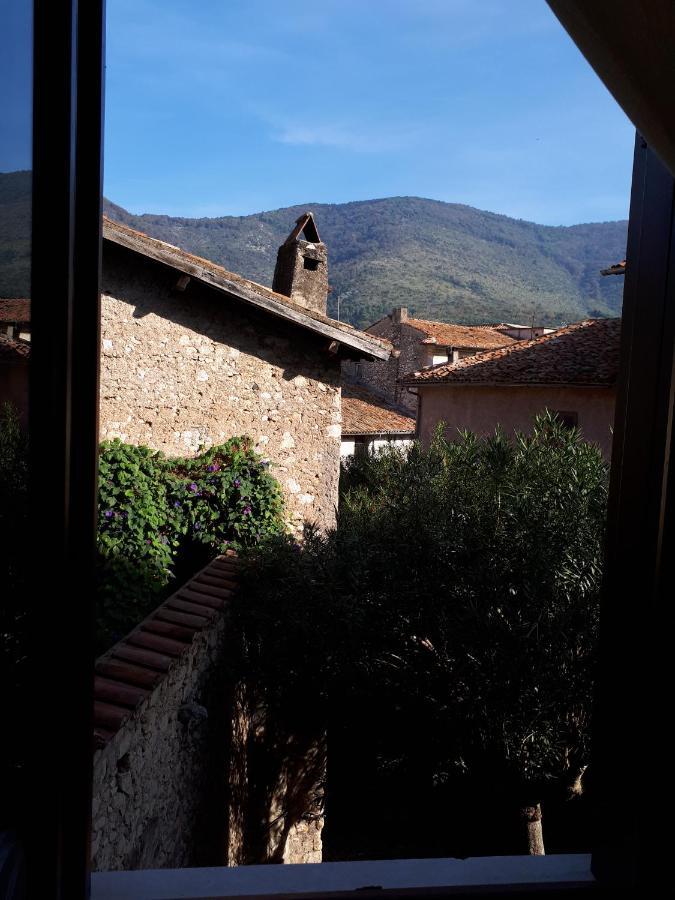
{"type": "Point", "coordinates": [229, 107]}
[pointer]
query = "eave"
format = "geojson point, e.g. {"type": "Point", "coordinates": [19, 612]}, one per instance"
{"type": "Point", "coordinates": [356, 343]}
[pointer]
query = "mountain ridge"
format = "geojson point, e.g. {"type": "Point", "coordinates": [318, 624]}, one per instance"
{"type": "Point", "coordinates": [443, 261]}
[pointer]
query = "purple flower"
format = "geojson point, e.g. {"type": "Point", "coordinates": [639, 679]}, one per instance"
{"type": "Point", "coordinates": [193, 487]}
{"type": "Point", "coordinates": [246, 511]}
{"type": "Point", "coordinates": [148, 541]}
{"type": "Point", "coordinates": [177, 504]}
{"type": "Point", "coordinates": [213, 468]}
{"type": "Point", "coordinates": [108, 513]}
{"type": "Point", "coordinates": [236, 482]}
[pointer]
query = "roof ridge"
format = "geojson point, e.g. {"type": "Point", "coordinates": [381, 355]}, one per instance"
{"type": "Point", "coordinates": [444, 372]}
{"type": "Point", "coordinates": [130, 238]}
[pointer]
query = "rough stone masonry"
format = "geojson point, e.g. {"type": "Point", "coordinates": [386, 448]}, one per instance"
{"type": "Point", "coordinates": [188, 368]}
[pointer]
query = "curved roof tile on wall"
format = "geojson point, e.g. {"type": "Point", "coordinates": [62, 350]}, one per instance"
{"type": "Point", "coordinates": [133, 668]}
{"type": "Point", "coordinates": [586, 353]}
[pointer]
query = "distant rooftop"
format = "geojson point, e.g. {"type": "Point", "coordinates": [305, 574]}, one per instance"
{"type": "Point", "coordinates": [462, 337]}
{"type": "Point", "coordinates": [586, 353]}
{"type": "Point", "coordinates": [15, 311]}
{"type": "Point", "coordinates": [365, 413]}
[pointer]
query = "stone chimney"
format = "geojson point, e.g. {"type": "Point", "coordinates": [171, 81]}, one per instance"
{"type": "Point", "coordinates": [301, 272]}
{"type": "Point", "coordinates": [400, 314]}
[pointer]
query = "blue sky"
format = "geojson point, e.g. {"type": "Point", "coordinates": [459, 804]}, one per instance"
{"type": "Point", "coordinates": [16, 60]}
{"type": "Point", "coordinates": [230, 107]}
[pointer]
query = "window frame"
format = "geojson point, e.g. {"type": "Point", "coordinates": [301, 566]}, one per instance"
{"type": "Point", "coordinates": [67, 167]}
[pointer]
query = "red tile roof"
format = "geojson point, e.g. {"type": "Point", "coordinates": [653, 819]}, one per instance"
{"type": "Point", "coordinates": [586, 353]}
{"type": "Point", "coordinates": [463, 337]}
{"type": "Point", "coordinates": [132, 669]}
{"type": "Point", "coordinates": [15, 311]}
{"type": "Point", "coordinates": [13, 349]}
{"type": "Point", "coordinates": [216, 276]}
{"type": "Point", "coordinates": [365, 413]}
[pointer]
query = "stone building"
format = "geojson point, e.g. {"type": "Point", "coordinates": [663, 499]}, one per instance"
{"type": "Point", "coordinates": [571, 372]}
{"type": "Point", "coordinates": [193, 354]}
{"type": "Point", "coordinates": [418, 343]}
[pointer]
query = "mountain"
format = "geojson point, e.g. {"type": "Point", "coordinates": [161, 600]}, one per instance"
{"type": "Point", "coordinates": [15, 212]}
{"type": "Point", "coordinates": [442, 260]}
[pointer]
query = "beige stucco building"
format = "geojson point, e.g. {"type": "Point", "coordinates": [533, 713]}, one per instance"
{"type": "Point", "coordinates": [193, 354]}
{"type": "Point", "coordinates": [571, 372]}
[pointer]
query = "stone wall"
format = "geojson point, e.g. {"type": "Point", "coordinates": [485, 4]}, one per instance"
{"type": "Point", "coordinates": [191, 770]}
{"type": "Point", "coordinates": [184, 369]}
{"type": "Point", "coordinates": [158, 787]}
{"type": "Point", "coordinates": [382, 377]}
{"type": "Point", "coordinates": [301, 273]}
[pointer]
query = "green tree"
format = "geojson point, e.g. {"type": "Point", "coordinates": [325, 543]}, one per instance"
{"type": "Point", "coordinates": [457, 599]}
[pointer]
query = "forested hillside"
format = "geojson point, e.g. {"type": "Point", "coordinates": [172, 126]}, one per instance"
{"type": "Point", "coordinates": [441, 260]}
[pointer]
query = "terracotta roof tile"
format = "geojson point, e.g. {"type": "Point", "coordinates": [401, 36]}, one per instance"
{"type": "Point", "coordinates": [133, 668]}
{"type": "Point", "coordinates": [463, 337]}
{"type": "Point", "coordinates": [15, 311]}
{"type": "Point", "coordinates": [365, 413]}
{"type": "Point", "coordinates": [586, 353]}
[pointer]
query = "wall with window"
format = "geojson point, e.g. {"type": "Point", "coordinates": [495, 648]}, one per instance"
{"type": "Point", "coordinates": [480, 409]}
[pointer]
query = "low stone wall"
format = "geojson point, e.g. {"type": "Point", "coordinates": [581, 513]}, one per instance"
{"type": "Point", "coordinates": [159, 792]}
{"type": "Point", "coordinates": [177, 758]}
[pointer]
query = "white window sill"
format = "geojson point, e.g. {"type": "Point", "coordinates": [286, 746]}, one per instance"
{"type": "Point", "coordinates": [256, 881]}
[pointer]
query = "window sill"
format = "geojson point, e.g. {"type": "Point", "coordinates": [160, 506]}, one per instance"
{"type": "Point", "coordinates": [410, 875]}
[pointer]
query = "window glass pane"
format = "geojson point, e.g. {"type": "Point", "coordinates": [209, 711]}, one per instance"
{"type": "Point", "coordinates": [15, 216]}
{"type": "Point", "coordinates": [405, 670]}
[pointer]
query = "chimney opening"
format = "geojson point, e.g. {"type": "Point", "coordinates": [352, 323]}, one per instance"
{"type": "Point", "coordinates": [311, 264]}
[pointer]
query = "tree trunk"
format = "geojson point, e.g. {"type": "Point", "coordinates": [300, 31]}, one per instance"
{"type": "Point", "coordinates": [531, 818]}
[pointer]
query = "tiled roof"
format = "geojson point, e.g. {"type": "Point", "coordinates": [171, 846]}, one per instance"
{"type": "Point", "coordinates": [15, 311]}
{"type": "Point", "coordinates": [13, 348]}
{"type": "Point", "coordinates": [365, 413]}
{"type": "Point", "coordinates": [586, 353]}
{"type": "Point", "coordinates": [463, 337]}
{"type": "Point", "coordinates": [131, 670]}
{"type": "Point", "coordinates": [216, 276]}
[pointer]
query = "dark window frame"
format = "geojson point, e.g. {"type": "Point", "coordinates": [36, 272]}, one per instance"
{"type": "Point", "coordinates": [567, 418]}
{"type": "Point", "coordinates": [64, 394]}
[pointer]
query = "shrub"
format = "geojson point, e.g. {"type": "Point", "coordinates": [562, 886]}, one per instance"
{"type": "Point", "coordinates": [457, 599]}
{"type": "Point", "coordinates": [162, 518]}
{"type": "Point", "coordinates": [16, 549]}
